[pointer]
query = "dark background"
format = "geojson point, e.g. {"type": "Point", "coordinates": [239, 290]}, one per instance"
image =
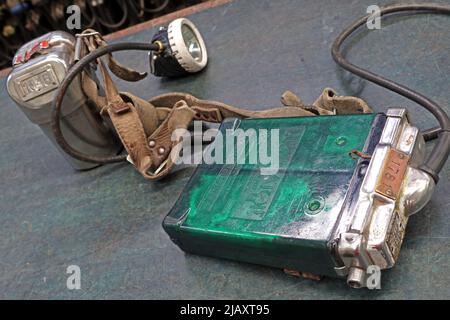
{"type": "Point", "coordinates": [24, 20]}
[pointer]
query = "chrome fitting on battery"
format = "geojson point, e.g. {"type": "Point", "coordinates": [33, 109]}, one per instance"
{"type": "Point", "coordinates": [372, 231]}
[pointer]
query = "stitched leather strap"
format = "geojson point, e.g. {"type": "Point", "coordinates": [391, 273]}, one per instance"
{"type": "Point", "coordinates": [146, 127]}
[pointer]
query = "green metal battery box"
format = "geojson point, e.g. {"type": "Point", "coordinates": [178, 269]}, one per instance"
{"type": "Point", "coordinates": [284, 219]}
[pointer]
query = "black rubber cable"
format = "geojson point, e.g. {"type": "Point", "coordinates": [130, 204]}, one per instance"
{"type": "Point", "coordinates": [71, 75]}
{"type": "Point", "coordinates": [91, 20]}
{"type": "Point", "coordinates": [158, 8]}
{"type": "Point", "coordinates": [101, 15]}
{"type": "Point", "coordinates": [434, 163]}
{"type": "Point", "coordinates": [437, 158]}
{"type": "Point", "coordinates": [136, 13]}
{"type": "Point", "coordinates": [431, 134]}
{"type": "Point", "coordinates": [137, 8]}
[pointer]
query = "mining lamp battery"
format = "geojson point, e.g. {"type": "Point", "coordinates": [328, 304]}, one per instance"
{"type": "Point", "coordinates": [323, 211]}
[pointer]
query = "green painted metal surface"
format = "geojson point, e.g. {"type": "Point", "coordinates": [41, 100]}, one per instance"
{"type": "Point", "coordinates": [282, 217]}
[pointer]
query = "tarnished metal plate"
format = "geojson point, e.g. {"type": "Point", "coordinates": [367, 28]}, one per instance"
{"type": "Point", "coordinates": [392, 174]}
{"type": "Point", "coordinates": [36, 82]}
{"type": "Point", "coordinates": [396, 234]}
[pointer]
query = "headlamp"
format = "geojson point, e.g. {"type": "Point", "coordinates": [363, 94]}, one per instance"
{"type": "Point", "coordinates": [183, 50]}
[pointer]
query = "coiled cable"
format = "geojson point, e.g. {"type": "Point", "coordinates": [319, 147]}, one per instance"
{"type": "Point", "coordinates": [438, 156]}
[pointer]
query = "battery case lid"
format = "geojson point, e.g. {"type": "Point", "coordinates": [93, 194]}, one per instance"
{"type": "Point", "coordinates": [299, 203]}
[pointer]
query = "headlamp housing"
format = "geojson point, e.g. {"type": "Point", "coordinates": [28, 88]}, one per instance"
{"type": "Point", "coordinates": [183, 50]}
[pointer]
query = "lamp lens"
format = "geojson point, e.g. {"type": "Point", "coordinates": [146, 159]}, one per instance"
{"type": "Point", "coordinates": [191, 42]}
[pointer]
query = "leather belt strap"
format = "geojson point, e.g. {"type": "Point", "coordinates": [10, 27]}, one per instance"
{"type": "Point", "coordinates": [146, 127]}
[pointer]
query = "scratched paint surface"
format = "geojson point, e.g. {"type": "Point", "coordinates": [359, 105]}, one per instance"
{"type": "Point", "coordinates": [283, 219]}
{"type": "Point", "coordinates": [108, 220]}
{"type": "Point", "coordinates": [312, 178]}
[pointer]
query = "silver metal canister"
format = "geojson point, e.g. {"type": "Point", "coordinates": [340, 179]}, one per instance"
{"type": "Point", "coordinates": [39, 67]}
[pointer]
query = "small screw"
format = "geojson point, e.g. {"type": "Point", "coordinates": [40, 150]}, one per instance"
{"type": "Point", "coordinates": [152, 143]}
{"type": "Point", "coordinates": [340, 141]}
{"type": "Point", "coordinates": [161, 150]}
{"type": "Point", "coordinates": [315, 205]}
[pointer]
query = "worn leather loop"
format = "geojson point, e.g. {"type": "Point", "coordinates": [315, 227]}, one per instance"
{"type": "Point", "coordinates": [148, 129]}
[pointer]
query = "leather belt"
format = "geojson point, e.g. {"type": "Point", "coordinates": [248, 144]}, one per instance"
{"type": "Point", "coordinates": [146, 127]}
